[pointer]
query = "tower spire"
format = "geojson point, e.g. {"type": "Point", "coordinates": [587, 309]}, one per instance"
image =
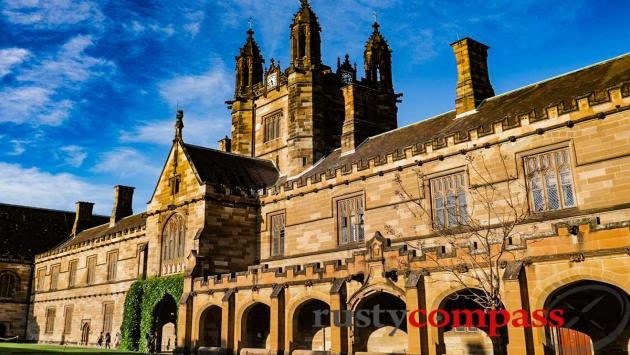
{"type": "Point", "coordinates": [305, 38]}
{"type": "Point", "coordinates": [249, 65]}
{"type": "Point", "coordinates": [378, 60]}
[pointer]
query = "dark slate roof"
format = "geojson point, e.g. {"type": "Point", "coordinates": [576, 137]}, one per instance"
{"type": "Point", "coordinates": [592, 82]}
{"type": "Point", "coordinates": [231, 170]}
{"type": "Point", "coordinates": [98, 231]}
{"type": "Point", "coordinates": [26, 231]}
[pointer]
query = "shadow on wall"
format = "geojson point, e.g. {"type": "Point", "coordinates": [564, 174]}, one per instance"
{"type": "Point", "coordinates": [475, 349]}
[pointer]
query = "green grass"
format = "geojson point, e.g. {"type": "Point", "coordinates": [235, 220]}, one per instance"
{"type": "Point", "coordinates": [18, 348]}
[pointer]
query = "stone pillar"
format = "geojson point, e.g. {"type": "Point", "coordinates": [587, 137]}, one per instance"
{"type": "Point", "coordinates": [432, 333]}
{"type": "Point", "coordinates": [276, 333]}
{"type": "Point", "coordinates": [227, 322]}
{"type": "Point", "coordinates": [515, 297]}
{"type": "Point", "coordinates": [184, 322]}
{"type": "Point", "coordinates": [416, 299]}
{"type": "Point", "coordinates": [339, 335]}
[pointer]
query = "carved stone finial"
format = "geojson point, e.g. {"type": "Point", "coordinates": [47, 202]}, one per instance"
{"type": "Point", "coordinates": [179, 125]}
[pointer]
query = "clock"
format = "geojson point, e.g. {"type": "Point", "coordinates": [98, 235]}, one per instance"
{"type": "Point", "coordinates": [272, 80]}
{"type": "Point", "coordinates": [347, 77]}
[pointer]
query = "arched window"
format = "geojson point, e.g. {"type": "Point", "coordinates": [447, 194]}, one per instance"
{"type": "Point", "coordinates": [173, 238]}
{"type": "Point", "coordinates": [9, 283]}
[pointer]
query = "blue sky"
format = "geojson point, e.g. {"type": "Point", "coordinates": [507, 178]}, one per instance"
{"type": "Point", "coordinates": [88, 89]}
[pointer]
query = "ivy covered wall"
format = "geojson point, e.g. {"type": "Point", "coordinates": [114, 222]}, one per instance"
{"type": "Point", "coordinates": [140, 303]}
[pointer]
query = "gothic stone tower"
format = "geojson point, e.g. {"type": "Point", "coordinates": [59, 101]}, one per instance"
{"type": "Point", "coordinates": [315, 104]}
{"type": "Point", "coordinates": [370, 105]}
{"type": "Point", "coordinates": [249, 72]}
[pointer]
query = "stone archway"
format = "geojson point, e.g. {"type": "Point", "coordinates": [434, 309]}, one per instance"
{"type": "Point", "coordinates": [255, 326]}
{"type": "Point", "coordinates": [375, 327]}
{"type": "Point", "coordinates": [311, 326]}
{"type": "Point", "coordinates": [210, 327]}
{"type": "Point", "coordinates": [454, 338]}
{"type": "Point", "coordinates": [165, 324]}
{"type": "Point", "coordinates": [596, 316]}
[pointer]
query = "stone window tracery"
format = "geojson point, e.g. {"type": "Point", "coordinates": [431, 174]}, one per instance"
{"type": "Point", "coordinates": [277, 234]}
{"type": "Point", "coordinates": [173, 244]}
{"type": "Point", "coordinates": [448, 200]}
{"type": "Point", "coordinates": [272, 126]}
{"type": "Point", "coordinates": [550, 181]}
{"type": "Point", "coordinates": [350, 214]}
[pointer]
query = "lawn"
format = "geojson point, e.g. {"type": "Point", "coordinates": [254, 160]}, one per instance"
{"type": "Point", "coordinates": [18, 348]}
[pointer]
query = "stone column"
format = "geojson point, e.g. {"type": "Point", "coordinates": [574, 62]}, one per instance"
{"type": "Point", "coordinates": [416, 299]}
{"type": "Point", "coordinates": [432, 333]}
{"type": "Point", "coordinates": [227, 322]}
{"type": "Point", "coordinates": [276, 333]}
{"type": "Point", "coordinates": [339, 335]}
{"type": "Point", "coordinates": [184, 322]}
{"type": "Point", "coordinates": [515, 297]}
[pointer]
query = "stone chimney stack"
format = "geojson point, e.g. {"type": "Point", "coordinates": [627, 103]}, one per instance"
{"type": "Point", "coordinates": [473, 81]}
{"type": "Point", "coordinates": [83, 217]}
{"type": "Point", "coordinates": [123, 200]}
{"type": "Point", "coordinates": [225, 145]}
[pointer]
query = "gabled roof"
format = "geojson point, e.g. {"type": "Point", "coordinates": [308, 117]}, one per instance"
{"type": "Point", "coordinates": [592, 82]}
{"type": "Point", "coordinates": [104, 229]}
{"type": "Point", "coordinates": [26, 231]}
{"type": "Point", "coordinates": [231, 170]}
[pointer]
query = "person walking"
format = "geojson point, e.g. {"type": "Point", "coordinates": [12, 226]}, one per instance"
{"type": "Point", "coordinates": [108, 341]}
{"type": "Point", "coordinates": [117, 340]}
{"type": "Point", "coordinates": [147, 344]}
{"type": "Point", "coordinates": [100, 340]}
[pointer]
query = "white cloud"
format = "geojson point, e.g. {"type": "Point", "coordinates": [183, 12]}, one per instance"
{"type": "Point", "coordinates": [195, 19]}
{"type": "Point", "coordinates": [10, 57]}
{"type": "Point", "coordinates": [125, 162]}
{"type": "Point", "coordinates": [137, 28]}
{"type": "Point", "coordinates": [34, 187]}
{"type": "Point", "coordinates": [202, 99]}
{"type": "Point", "coordinates": [36, 99]}
{"type": "Point", "coordinates": [198, 90]}
{"type": "Point", "coordinates": [50, 14]}
{"type": "Point", "coordinates": [161, 131]}
{"type": "Point", "coordinates": [73, 155]}
{"type": "Point", "coordinates": [18, 147]}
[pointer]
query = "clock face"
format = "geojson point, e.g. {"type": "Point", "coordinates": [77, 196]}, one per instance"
{"type": "Point", "coordinates": [272, 80]}
{"type": "Point", "coordinates": [346, 77]}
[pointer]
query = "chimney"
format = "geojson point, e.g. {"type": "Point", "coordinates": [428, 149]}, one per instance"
{"type": "Point", "coordinates": [83, 217]}
{"type": "Point", "coordinates": [473, 81]}
{"type": "Point", "coordinates": [123, 199]}
{"type": "Point", "coordinates": [225, 145]}
{"type": "Point", "coordinates": [352, 132]}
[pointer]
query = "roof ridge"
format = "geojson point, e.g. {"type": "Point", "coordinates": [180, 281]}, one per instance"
{"type": "Point", "coordinates": [46, 209]}
{"type": "Point", "coordinates": [559, 76]}
{"type": "Point", "coordinates": [227, 153]}
{"type": "Point", "coordinates": [502, 94]}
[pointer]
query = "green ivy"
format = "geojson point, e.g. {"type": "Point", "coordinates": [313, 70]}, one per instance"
{"type": "Point", "coordinates": [142, 297]}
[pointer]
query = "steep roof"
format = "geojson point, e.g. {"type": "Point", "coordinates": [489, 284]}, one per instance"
{"type": "Point", "coordinates": [592, 82]}
{"type": "Point", "coordinates": [26, 231]}
{"type": "Point", "coordinates": [231, 170]}
{"type": "Point", "coordinates": [104, 229]}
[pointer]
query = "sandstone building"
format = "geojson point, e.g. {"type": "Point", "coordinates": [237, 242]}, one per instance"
{"type": "Point", "coordinates": [301, 211]}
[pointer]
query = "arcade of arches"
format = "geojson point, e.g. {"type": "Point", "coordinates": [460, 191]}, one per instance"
{"type": "Point", "coordinates": [315, 313]}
